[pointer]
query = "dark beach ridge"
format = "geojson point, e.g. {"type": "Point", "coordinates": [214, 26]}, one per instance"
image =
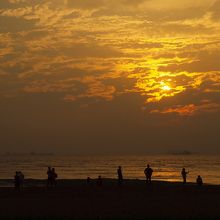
{"type": "Point", "coordinates": [74, 199]}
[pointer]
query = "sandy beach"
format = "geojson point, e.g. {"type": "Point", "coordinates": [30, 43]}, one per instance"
{"type": "Point", "coordinates": [74, 199]}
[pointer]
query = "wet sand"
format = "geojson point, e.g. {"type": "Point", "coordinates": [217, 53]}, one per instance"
{"type": "Point", "coordinates": [74, 199]}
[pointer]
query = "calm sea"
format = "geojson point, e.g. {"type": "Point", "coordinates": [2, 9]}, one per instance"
{"type": "Point", "coordinates": [166, 167]}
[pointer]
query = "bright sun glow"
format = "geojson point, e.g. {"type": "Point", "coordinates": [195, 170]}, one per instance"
{"type": "Point", "coordinates": [165, 87]}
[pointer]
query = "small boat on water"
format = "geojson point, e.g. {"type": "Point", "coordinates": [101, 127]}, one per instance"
{"type": "Point", "coordinates": [185, 152]}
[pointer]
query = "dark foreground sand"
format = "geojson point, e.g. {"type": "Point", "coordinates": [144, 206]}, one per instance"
{"type": "Point", "coordinates": [74, 199]}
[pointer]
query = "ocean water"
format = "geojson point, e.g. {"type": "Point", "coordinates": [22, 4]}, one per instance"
{"type": "Point", "coordinates": [166, 167]}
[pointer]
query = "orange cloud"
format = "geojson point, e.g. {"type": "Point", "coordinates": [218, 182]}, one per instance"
{"type": "Point", "coordinates": [80, 48]}
{"type": "Point", "coordinates": [191, 109]}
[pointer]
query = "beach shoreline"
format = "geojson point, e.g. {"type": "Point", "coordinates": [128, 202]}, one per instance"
{"type": "Point", "coordinates": [30, 182]}
{"type": "Point", "coordinates": [74, 199]}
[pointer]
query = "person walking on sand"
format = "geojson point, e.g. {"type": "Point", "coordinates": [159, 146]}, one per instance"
{"type": "Point", "coordinates": [148, 173]}
{"type": "Point", "coordinates": [199, 180]}
{"type": "Point", "coordinates": [184, 175]}
{"type": "Point", "coordinates": [120, 175]}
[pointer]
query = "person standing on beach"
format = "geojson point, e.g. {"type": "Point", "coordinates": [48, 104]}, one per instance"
{"type": "Point", "coordinates": [17, 181]}
{"type": "Point", "coordinates": [88, 180]}
{"type": "Point", "coordinates": [99, 181]}
{"type": "Point", "coordinates": [184, 175]}
{"type": "Point", "coordinates": [120, 176]}
{"type": "Point", "coordinates": [54, 177]}
{"type": "Point", "coordinates": [21, 177]}
{"type": "Point", "coordinates": [199, 180]}
{"type": "Point", "coordinates": [49, 177]}
{"type": "Point", "coordinates": [148, 173]}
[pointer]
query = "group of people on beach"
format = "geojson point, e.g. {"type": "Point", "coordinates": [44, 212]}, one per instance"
{"type": "Point", "coordinates": [149, 171]}
{"type": "Point", "coordinates": [99, 179]}
{"type": "Point", "coordinates": [19, 180]}
{"type": "Point", "coordinates": [148, 174]}
{"type": "Point", "coordinates": [184, 173]}
{"type": "Point", "coordinates": [52, 177]}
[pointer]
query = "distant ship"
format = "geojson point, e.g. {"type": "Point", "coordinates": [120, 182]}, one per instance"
{"type": "Point", "coordinates": [184, 152]}
{"type": "Point", "coordinates": [25, 154]}
{"type": "Point", "coordinates": [40, 154]}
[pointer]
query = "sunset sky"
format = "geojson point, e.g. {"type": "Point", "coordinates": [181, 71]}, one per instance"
{"type": "Point", "coordinates": [109, 76]}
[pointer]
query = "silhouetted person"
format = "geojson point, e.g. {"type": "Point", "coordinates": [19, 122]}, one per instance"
{"type": "Point", "coordinates": [199, 181]}
{"type": "Point", "coordinates": [148, 173]}
{"type": "Point", "coordinates": [120, 176]}
{"type": "Point", "coordinates": [99, 181]}
{"type": "Point", "coordinates": [53, 177]}
{"type": "Point", "coordinates": [21, 176]}
{"type": "Point", "coordinates": [49, 177]}
{"type": "Point", "coordinates": [88, 180]}
{"type": "Point", "coordinates": [17, 181]}
{"type": "Point", "coordinates": [184, 175]}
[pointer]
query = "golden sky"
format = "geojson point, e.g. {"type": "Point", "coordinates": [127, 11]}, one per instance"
{"type": "Point", "coordinates": [127, 71]}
